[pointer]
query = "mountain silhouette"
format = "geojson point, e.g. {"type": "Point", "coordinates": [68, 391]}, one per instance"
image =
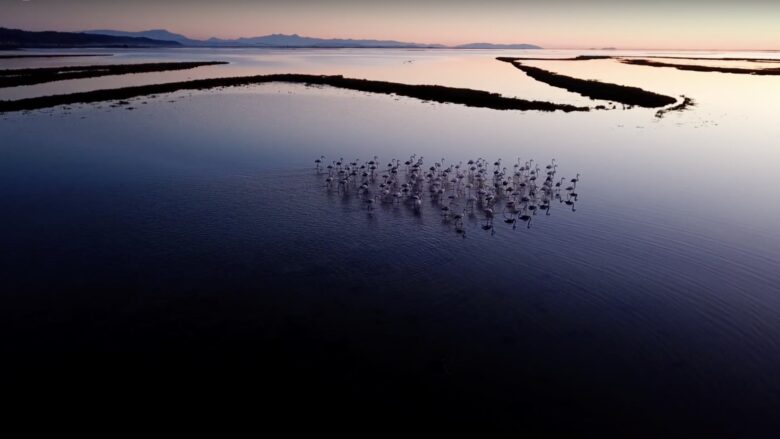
{"type": "Point", "coordinates": [496, 46]}
{"type": "Point", "coordinates": [273, 40]}
{"type": "Point", "coordinates": [18, 39]}
{"type": "Point", "coordinates": [295, 40]}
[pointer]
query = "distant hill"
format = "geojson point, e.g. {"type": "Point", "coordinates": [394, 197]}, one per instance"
{"type": "Point", "coordinates": [297, 41]}
{"type": "Point", "coordinates": [14, 39]}
{"type": "Point", "coordinates": [17, 39]}
{"type": "Point", "coordinates": [155, 34]}
{"type": "Point", "coordinates": [274, 40]}
{"type": "Point", "coordinates": [496, 46]}
{"type": "Point", "coordinates": [294, 40]}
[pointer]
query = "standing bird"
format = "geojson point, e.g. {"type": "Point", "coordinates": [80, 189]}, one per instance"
{"type": "Point", "coordinates": [488, 218]}
{"type": "Point", "coordinates": [520, 192]}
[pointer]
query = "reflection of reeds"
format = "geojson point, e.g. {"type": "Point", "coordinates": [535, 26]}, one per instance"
{"type": "Point", "coordinates": [595, 89]}
{"type": "Point", "coordinates": [17, 77]}
{"type": "Point", "coordinates": [436, 93]}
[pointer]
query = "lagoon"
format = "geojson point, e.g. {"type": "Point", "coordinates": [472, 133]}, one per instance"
{"type": "Point", "coordinates": [194, 228]}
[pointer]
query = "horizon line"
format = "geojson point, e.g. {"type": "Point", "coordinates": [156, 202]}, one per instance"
{"type": "Point", "coordinates": [444, 46]}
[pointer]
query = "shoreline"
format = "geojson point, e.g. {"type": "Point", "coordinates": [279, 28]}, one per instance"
{"type": "Point", "coordinates": [682, 106]}
{"type": "Point", "coordinates": [435, 93]}
{"type": "Point", "coordinates": [593, 89]}
{"type": "Point", "coordinates": [56, 55]}
{"type": "Point", "coordinates": [772, 71]}
{"type": "Point", "coordinates": [632, 57]}
{"type": "Point", "coordinates": [20, 77]}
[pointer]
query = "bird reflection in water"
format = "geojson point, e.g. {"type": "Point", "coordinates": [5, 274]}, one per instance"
{"type": "Point", "coordinates": [475, 189]}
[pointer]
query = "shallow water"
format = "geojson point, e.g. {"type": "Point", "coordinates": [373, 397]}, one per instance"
{"type": "Point", "coordinates": [197, 230]}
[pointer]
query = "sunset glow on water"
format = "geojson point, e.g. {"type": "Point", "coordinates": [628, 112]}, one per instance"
{"type": "Point", "coordinates": [367, 257]}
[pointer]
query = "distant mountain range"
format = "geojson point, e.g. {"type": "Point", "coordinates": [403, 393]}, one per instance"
{"type": "Point", "coordinates": [20, 39]}
{"type": "Point", "coordinates": [15, 38]}
{"type": "Point", "coordinates": [496, 46]}
{"type": "Point", "coordinates": [295, 40]}
{"type": "Point", "coordinates": [155, 34]}
{"type": "Point", "coordinates": [274, 40]}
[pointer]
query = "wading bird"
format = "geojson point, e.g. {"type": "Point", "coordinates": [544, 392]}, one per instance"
{"type": "Point", "coordinates": [475, 187]}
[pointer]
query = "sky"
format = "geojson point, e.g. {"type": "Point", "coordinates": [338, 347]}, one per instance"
{"type": "Point", "coordinates": [626, 24]}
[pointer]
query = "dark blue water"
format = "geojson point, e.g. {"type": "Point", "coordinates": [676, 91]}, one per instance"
{"type": "Point", "coordinates": [192, 244]}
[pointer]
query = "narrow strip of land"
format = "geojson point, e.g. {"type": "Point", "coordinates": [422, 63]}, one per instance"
{"type": "Point", "coordinates": [691, 58]}
{"type": "Point", "coordinates": [647, 62]}
{"type": "Point", "coordinates": [682, 106]}
{"type": "Point", "coordinates": [435, 93]}
{"type": "Point", "coordinates": [574, 58]}
{"type": "Point", "coordinates": [698, 68]}
{"type": "Point", "coordinates": [17, 77]}
{"type": "Point", "coordinates": [54, 55]}
{"type": "Point", "coordinates": [595, 89]}
{"type": "Point", "coordinates": [621, 57]}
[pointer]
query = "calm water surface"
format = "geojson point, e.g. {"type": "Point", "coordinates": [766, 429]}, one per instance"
{"type": "Point", "coordinates": [195, 233]}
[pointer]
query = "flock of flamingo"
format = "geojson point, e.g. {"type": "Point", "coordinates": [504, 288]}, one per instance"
{"type": "Point", "coordinates": [475, 189]}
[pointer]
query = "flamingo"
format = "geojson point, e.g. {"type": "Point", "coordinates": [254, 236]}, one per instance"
{"type": "Point", "coordinates": [516, 190]}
